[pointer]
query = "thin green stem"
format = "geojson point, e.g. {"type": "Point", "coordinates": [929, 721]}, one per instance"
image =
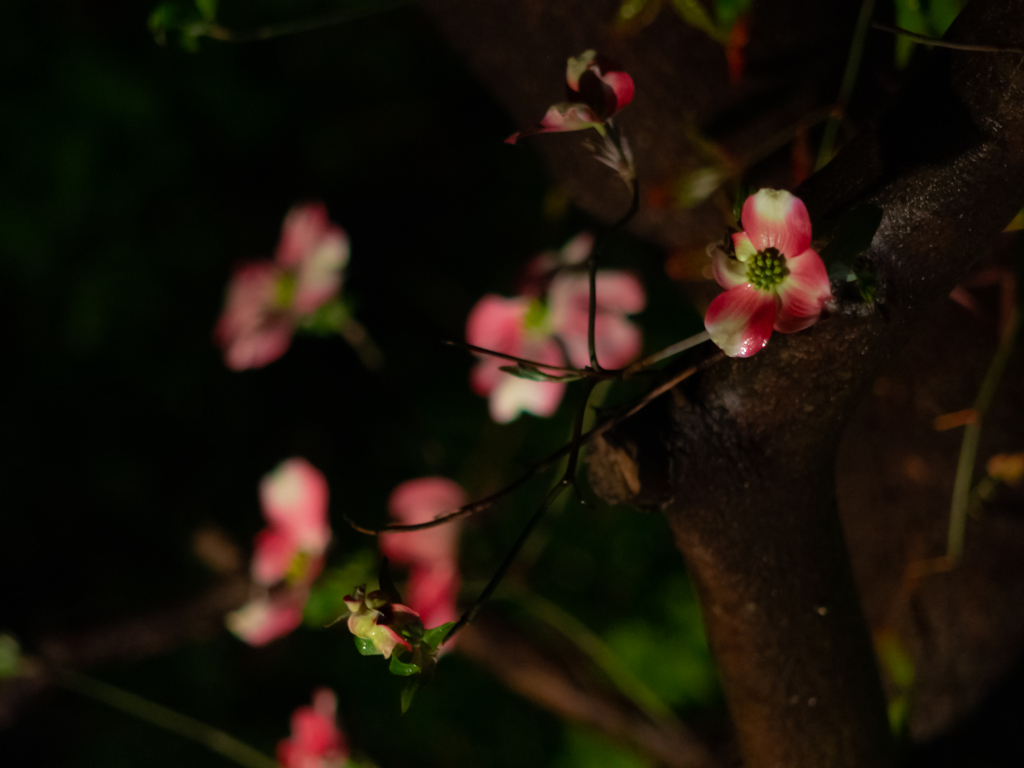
{"type": "Point", "coordinates": [543, 464]}
{"type": "Point", "coordinates": [270, 31]}
{"type": "Point", "coordinates": [581, 372]}
{"type": "Point", "coordinates": [935, 42]}
{"type": "Point", "coordinates": [568, 479]}
{"type": "Point", "coordinates": [358, 338]}
{"type": "Point", "coordinates": [162, 717]}
{"type": "Point", "coordinates": [634, 206]}
{"type": "Point", "coordinates": [860, 34]}
{"type": "Point", "coordinates": [667, 352]}
{"type": "Point", "coordinates": [961, 502]}
{"type": "Point", "coordinates": [598, 651]}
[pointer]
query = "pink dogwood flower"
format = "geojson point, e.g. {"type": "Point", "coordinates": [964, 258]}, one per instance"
{"type": "Point", "coordinates": [775, 280]}
{"type": "Point", "coordinates": [381, 623]}
{"type": "Point", "coordinates": [290, 549]}
{"type": "Point", "coordinates": [597, 89]}
{"type": "Point", "coordinates": [267, 300]}
{"type": "Point", "coordinates": [316, 740]}
{"type": "Point", "coordinates": [431, 554]}
{"type": "Point", "coordinates": [545, 331]}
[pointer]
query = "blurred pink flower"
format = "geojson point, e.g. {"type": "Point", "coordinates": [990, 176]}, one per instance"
{"type": "Point", "coordinates": [316, 740]}
{"type": "Point", "coordinates": [432, 554]}
{"type": "Point", "coordinates": [294, 500]}
{"type": "Point", "coordinates": [597, 89]}
{"type": "Point", "coordinates": [532, 329]}
{"type": "Point", "coordinates": [616, 339]}
{"type": "Point", "coordinates": [267, 618]}
{"type": "Point", "coordinates": [266, 300]}
{"type": "Point", "coordinates": [775, 280]}
{"type": "Point", "coordinates": [419, 501]}
{"type": "Point", "coordinates": [510, 326]}
{"type": "Point", "coordinates": [291, 549]}
{"type": "Point", "coordinates": [539, 270]}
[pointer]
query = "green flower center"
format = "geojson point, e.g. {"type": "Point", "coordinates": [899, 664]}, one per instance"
{"type": "Point", "coordinates": [767, 269]}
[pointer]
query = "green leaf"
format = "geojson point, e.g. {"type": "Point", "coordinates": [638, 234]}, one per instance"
{"type": "Point", "coordinates": [433, 637]}
{"type": "Point", "coordinates": [329, 319]}
{"type": "Point", "coordinates": [910, 17]}
{"type": "Point", "coordinates": [366, 647]}
{"type": "Point", "coordinates": [852, 234]}
{"type": "Point", "coordinates": [530, 373]}
{"type": "Point", "coordinates": [694, 188]}
{"type": "Point", "coordinates": [408, 692]}
{"type": "Point", "coordinates": [10, 656]}
{"type": "Point", "coordinates": [207, 9]}
{"type": "Point", "coordinates": [727, 11]}
{"type": "Point", "coordinates": [402, 668]}
{"type": "Point", "coordinates": [941, 14]}
{"type": "Point", "coordinates": [693, 13]}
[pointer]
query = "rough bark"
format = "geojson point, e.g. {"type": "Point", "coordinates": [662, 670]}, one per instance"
{"type": "Point", "coordinates": [751, 447]}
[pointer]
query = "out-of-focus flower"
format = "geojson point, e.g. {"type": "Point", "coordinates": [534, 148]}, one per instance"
{"type": "Point", "coordinates": [380, 623]}
{"type": "Point", "coordinates": [774, 279]}
{"type": "Point", "coordinates": [1008, 467]}
{"type": "Point", "coordinates": [290, 549]}
{"type": "Point", "coordinates": [431, 554]}
{"type": "Point", "coordinates": [294, 500]}
{"type": "Point", "coordinates": [539, 270]}
{"type": "Point", "coordinates": [513, 327]}
{"type": "Point", "coordinates": [316, 740]}
{"type": "Point", "coordinates": [267, 300]}
{"type": "Point", "coordinates": [597, 89]}
{"type": "Point", "coordinates": [616, 339]}
{"type": "Point", "coordinates": [266, 618]}
{"type": "Point", "coordinates": [544, 331]}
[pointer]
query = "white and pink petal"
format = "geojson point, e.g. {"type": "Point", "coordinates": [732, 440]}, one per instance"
{"type": "Point", "coordinates": [803, 293]}
{"type": "Point", "coordinates": [775, 218]}
{"type": "Point", "coordinates": [740, 321]}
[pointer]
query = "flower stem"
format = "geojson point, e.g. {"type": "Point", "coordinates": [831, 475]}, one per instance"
{"type": "Point", "coordinates": [937, 43]}
{"type": "Point", "coordinates": [162, 717]}
{"type": "Point", "coordinates": [634, 206]}
{"type": "Point", "coordinates": [547, 461]}
{"type": "Point", "coordinates": [860, 34]}
{"type": "Point", "coordinates": [568, 479]}
{"type": "Point", "coordinates": [961, 501]}
{"type": "Point", "coordinates": [667, 352]}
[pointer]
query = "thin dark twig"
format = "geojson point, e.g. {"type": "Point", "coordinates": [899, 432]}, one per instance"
{"type": "Point", "coordinates": [925, 40]}
{"type": "Point", "coordinates": [270, 31]}
{"type": "Point", "coordinates": [634, 206]}
{"type": "Point", "coordinates": [568, 479]}
{"type": "Point", "coordinates": [582, 372]}
{"type": "Point", "coordinates": [488, 501]}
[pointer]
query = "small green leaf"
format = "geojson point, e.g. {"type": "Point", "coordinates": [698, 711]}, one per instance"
{"type": "Point", "coordinates": [694, 188]}
{"type": "Point", "coordinates": [866, 283]}
{"type": "Point", "coordinates": [366, 647]}
{"type": "Point", "coordinates": [941, 14]}
{"type": "Point", "coordinates": [852, 234]}
{"type": "Point", "coordinates": [693, 13]}
{"type": "Point", "coordinates": [530, 373]}
{"type": "Point", "coordinates": [408, 692]}
{"type": "Point", "coordinates": [433, 637]}
{"type": "Point", "coordinates": [207, 8]}
{"type": "Point", "coordinates": [402, 668]}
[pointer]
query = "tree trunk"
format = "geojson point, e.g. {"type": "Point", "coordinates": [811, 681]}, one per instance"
{"type": "Point", "coordinates": [743, 461]}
